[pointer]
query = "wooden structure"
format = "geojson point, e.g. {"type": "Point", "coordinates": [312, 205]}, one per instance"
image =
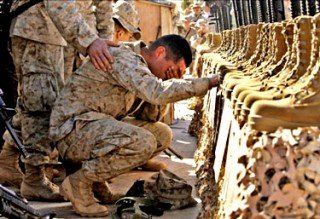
{"type": "Point", "coordinates": [155, 19]}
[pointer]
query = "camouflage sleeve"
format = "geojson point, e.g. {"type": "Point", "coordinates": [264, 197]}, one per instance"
{"type": "Point", "coordinates": [150, 112]}
{"type": "Point", "coordinates": [70, 23]}
{"type": "Point", "coordinates": [135, 76]}
{"type": "Point", "coordinates": [105, 25]}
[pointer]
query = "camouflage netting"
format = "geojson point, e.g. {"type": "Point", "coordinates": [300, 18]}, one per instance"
{"type": "Point", "coordinates": [196, 104]}
{"type": "Point", "coordinates": [279, 177]}
{"type": "Point", "coordinates": [204, 158]}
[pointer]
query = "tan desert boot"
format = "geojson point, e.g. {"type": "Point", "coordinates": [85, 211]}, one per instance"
{"type": "Point", "coordinates": [153, 165]}
{"type": "Point", "coordinates": [230, 80]}
{"type": "Point", "coordinates": [216, 41]}
{"type": "Point", "coordinates": [78, 189]}
{"type": "Point", "coordinates": [282, 67]}
{"type": "Point", "coordinates": [230, 43]}
{"type": "Point", "coordinates": [240, 91]}
{"type": "Point", "coordinates": [251, 63]}
{"type": "Point", "coordinates": [10, 172]}
{"type": "Point", "coordinates": [306, 81]}
{"type": "Point", "coordinates": [300, 48]}
{"type": "Point", "coordinates": [269, 56]}
{"type": "Point", "coordinates": [301, 69]}
{"type": "Point", "coordinates": [250, 41]}
{"type": "Point", "coordinates": [227, 42]}
{"type": "Point", "coordinates": [36, 186]}
{"type": "Point", "coordinates": [240, 45]}
{"type": "Point", "coordinates": [236, 45]}
{"type": "Point", "coordinates": [269, 115]}
{"type": "Point", "coordinates": [104, 194]}
{"type": "Point", "coordinates": [224, 41]}
{"type": "Point", "coordinates": [243, 45]}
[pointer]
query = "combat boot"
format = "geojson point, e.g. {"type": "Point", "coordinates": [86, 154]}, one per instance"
{"type": "Point", "coordinates": [78, 189]}
{"type": "Point", "coordinates": [293, 81]}
{"type": "Point", "coordinates": [226, 41]}
{"type": "Point", "coordinates": [276, 43]}
{"type": "Point", "coordinates": [278, 72]}
{"type": "Point", "coordinates": [36, 186]}
{"type": "Point", "coordinates": [270, 50]}
{"type": "Point", "coordinates": [10, 172]}
{"type": "Point", "coordinates": [236, 77]}
{"type": "Point", "coordinates": [276, 61]}
{"type": "Point", "coordinates": [153, 165]}
{"type": "Point", "coordinates": [240, 45]}
{"type": "Point", "coordinates": [265, 50]}
{"type": "Point", "coordinates": [104, 194]}
{"type": "Point", "coordinates": [269, 115]}
{"type": "Point", "coordinates": [258, 52]}
{"type": "Point", "coordinates": [236, 43]}
{"type": "Point", "coordinates": [250, 43]}
{"type": "Point", "coordinates": [216, 41]}
{"type": "Point", "coordinates": [301, 108]}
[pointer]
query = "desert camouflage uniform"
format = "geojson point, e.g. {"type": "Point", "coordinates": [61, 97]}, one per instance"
{"type": "Point", "coordinates": [99, 20]}
{"type": "Point", "coordinates": [37, 47]}
{"type": "Point", "coordinates": [192, 31]}
{"type": "Point", "coordinates": [90, 118]}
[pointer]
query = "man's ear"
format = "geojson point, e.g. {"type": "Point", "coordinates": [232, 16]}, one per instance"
{"type": "Point", "coordinates": [120, 33]}
{"type": "Point", "coordinates": [161, 52]}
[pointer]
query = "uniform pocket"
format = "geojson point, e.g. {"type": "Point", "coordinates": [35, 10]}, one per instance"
{"type": "Point", "coordinates": [39, 92]}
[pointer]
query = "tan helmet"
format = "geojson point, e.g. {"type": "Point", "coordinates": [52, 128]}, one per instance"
{"type": "Point", "coordinates": [128, 17]}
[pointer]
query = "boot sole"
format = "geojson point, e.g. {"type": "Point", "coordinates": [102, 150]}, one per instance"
{"type": "Point", "coordinates": [94, 215]}
{"type": "Point", "coordinates": [254, 122]}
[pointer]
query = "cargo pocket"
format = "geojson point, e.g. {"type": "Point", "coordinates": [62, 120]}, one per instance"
{"type": "Point", "coordinates": [39, 92]}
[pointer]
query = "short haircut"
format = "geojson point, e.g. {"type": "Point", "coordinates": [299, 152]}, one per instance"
{"type": "Point", "coordinates": [177, 47]}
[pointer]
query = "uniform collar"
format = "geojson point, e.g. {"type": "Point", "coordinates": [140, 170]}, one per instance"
{"type": "Point", "coordinates": [135, 46]}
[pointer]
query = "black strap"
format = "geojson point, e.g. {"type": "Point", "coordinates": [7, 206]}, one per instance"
{"type": "Point", "coordinates": [23, 8]}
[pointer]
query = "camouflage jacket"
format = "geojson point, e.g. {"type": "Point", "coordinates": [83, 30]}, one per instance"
{"type": "Point", "coordinates": [91, 94]}
{"type": "Point", "coordinates": [54, 22]}
{"type": "Point", "coordinates": [98, 19]}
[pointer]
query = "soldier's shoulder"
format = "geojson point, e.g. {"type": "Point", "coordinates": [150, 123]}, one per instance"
{"type": "Point", "coordinates": [122, 50]}
{"type": "Point", "coordinates": [128, 50]}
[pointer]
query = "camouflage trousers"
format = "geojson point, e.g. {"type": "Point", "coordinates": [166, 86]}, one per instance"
{"type": "Point", "coordinates": [108, 147]}
{"type": "Point", "coordinates": [39, 69]}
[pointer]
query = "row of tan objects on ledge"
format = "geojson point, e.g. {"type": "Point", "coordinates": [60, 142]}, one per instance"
{"type": "Point", "coordinates": [271, 72]}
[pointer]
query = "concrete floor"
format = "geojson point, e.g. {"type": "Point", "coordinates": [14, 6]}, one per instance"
{"type": "Point", "coordinates": [183, 143]}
